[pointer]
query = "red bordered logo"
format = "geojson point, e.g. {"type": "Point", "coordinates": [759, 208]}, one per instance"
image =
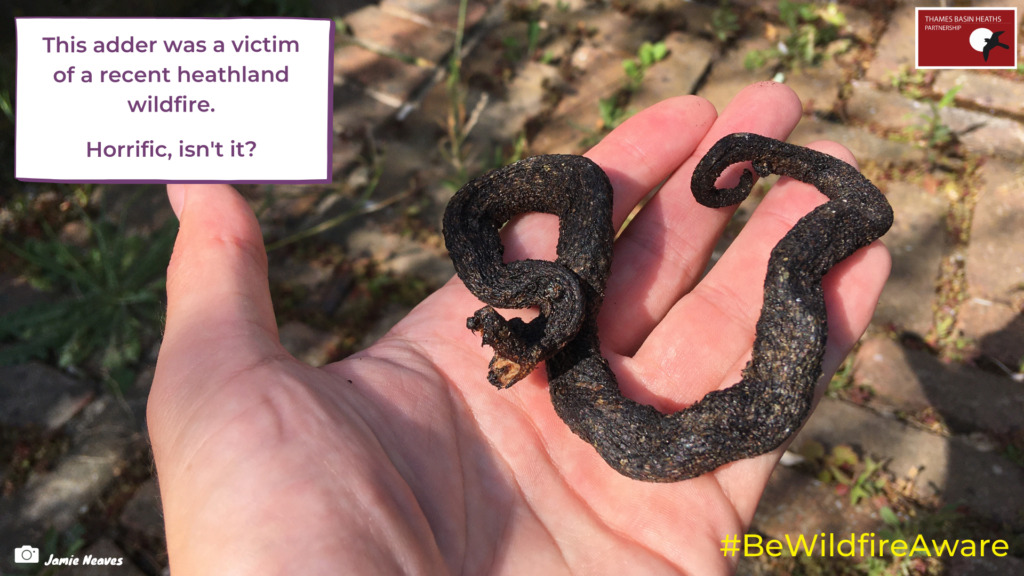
{"type": "Point", "coordinates": [966, 38]}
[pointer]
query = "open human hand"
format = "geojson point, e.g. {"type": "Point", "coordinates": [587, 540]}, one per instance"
{"type": "Point", "coordinates": [403, 459]}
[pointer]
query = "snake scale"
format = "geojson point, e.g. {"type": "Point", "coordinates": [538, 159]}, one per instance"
{"type": "Point", "coordinates": [749, 418]}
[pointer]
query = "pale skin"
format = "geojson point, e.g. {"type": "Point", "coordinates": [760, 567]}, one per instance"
{"type": "Point", "coordinates": [403, 459]}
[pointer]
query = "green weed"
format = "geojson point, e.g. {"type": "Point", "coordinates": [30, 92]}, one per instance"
{"type": "Point", "coordinates": [842, 379]}
{"type": "Point", "coordinates": [909, 83]}
{"type": "Point", "coordinates": [809, 29]}
{"type": "Point", "coordinates": [457, 126]}
{"type": "Point", "coordinates": [646, 56]}
{"type": "Point", "coordinates": [612, 114]}
{"type": "Point", "coordinates": [613, 110]}
{"type": "Point", "coordinates": [724, 22]}
{"type": "Point", "coordinates": [514, 49]}
{"type": "Point", "coordinates": [861, 479]}
{"type": "Point", "coordinates": [930, 132]}
{"type": "Point", "coordinates": [518, 149]}
{"type": "Point", "coordinates": [5, 105]}
{"type": "Point", "coordinates": [112, 298]}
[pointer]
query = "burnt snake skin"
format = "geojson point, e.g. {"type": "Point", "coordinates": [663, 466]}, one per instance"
{"type": "Point", "coordinates": [749, 418]}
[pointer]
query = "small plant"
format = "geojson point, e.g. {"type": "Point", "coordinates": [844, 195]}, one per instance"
{"type": "Point", "coordinates": [513, 49]}
{"type": "Point", "coordinates": [809, 29]}
{"type": "Point", "coordinates": [5, 105]}
{"type": "Point", "coordinates": [457, 118]}
{"type": "Point", "coordinates": [113, 289]}
{"type": "Point", "coordinates": [724, 22]}
{"type": "Point", "coordinates": [647, 56]}
{"type": "Point", "coordinates": [613, 110]}
{"type": "Point", "coordinates": [518, 148]}
{"type": "Point", "coordinates": [842, 380]}
{"type": "Point", "coordinates": [909, 83]}
{"type": "Point", "coordinates": [612, 113]}
{"type": "Point", "coordinates": [532, 37]}
{"type": "Point", "coordinates": [933, 524]}
{"type": "Point", "coordinates": [860, 479]}
{"type": "Point", "coordinates": [930, 132]}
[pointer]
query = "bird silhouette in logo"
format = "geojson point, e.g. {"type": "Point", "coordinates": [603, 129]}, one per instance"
{"type": "Point", "coordinates": [993, 42]}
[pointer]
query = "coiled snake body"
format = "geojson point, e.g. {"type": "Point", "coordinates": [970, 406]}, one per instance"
{"type": "Point", "coordinates": [749, 418]}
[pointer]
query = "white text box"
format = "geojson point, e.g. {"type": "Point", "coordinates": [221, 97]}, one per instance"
{"type": "Point", "coordinates": [174, 100]}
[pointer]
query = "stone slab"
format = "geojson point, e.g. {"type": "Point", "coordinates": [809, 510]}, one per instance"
{"type": "Point", "coordinates": [401, 256]}
{"type": "Point", "coordinates": [307, 344]}
{"type": "Point", "coordinates": [794, 504]}
{"type": "Point", "coordinates": [896, 47]}
{"type": "Point", "coordinates": [984, 134]}
{"type": "Point", "coordinates": [143, 514]}
{"type": "Point", "coordinates": [526, 98]}
{"type": "Point", "coordinates": [980, 133]}
{"type": "Point", "coordinates": [577, 116]}
{"type": "Point", "coordinates": [985, 90]}
{"type": "Point", "coordinates": [866, 147]}
{"type": "Point", "coordinates": [728, 75]}
{"type": "Point", "coordinates": [912, 380]}
{"type": "Point", "coordinates": [997, 330]}
{"type": "Point", "coordinates": [101, 440]}
{"type": "Point", "coordinates": [884, 108]}
{"type": "Point", "coordinates": [881, 365]}
{"type": "Point", "coordinates": [985, 482]}
{"type": "Point", "coordinates": [387, 79]}
{"type": "Point", "coordinates": [401, 35]}
{"type": "Point", "coordinates": [818, 87]}
{"type": "Point", "coordinates": [687, 61]}
{"type": "Point", "coordinates": [443, 13]}
{"type": "Point", "coordinates": [612, 30]}
{"type": "Point", "coordinates": [995, 255]}
{"type": "Point", "coordinates": [355, 114]}
{"type": "Point", "coordinates": [354, 110]}
{"type": "Point", "coordinates": [917, 242]}
{"type": "Point", "coordinates": [38, 394]}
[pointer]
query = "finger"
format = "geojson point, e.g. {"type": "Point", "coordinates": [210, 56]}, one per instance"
{"type": "Point", "coordinates": [705, 339]}
{"type": "Point", "coordinates": [636, 156]}
{"type": "Point", "coordinates": [218, 297]}
{"type": "Point", "coordinates": [662, 253]}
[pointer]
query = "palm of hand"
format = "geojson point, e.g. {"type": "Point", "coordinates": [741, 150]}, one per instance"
{"type": "Point", "coordinates": [403, 458]}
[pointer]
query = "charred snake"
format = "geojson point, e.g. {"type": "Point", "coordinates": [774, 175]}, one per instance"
{"type": "Point", "coordinates": [749, 418]}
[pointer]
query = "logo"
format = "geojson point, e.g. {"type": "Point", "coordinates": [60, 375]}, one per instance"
{"type": "Point", "coordinates": [26, 555]}
{"type": "Point", "coordinates": [966, 38]}
{"type": "Point", "coordinates": [983, 40]}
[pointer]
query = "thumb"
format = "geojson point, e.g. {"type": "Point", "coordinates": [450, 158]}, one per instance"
{"type": "Point", "coordinates": [219, 314]}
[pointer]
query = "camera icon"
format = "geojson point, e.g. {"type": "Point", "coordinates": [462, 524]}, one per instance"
{"type": "Point", "coordinates": [26, 555]}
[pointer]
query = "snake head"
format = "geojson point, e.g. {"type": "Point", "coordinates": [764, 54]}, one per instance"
{"type": "Point", "coordinates": [517, 345]}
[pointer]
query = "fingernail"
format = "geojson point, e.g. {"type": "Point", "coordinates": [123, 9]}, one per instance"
{"type": "Point", "coordinates": [176, 195]}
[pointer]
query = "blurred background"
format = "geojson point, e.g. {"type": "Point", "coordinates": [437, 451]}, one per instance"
{"type": "Point", "coordinates": [922, 430]}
